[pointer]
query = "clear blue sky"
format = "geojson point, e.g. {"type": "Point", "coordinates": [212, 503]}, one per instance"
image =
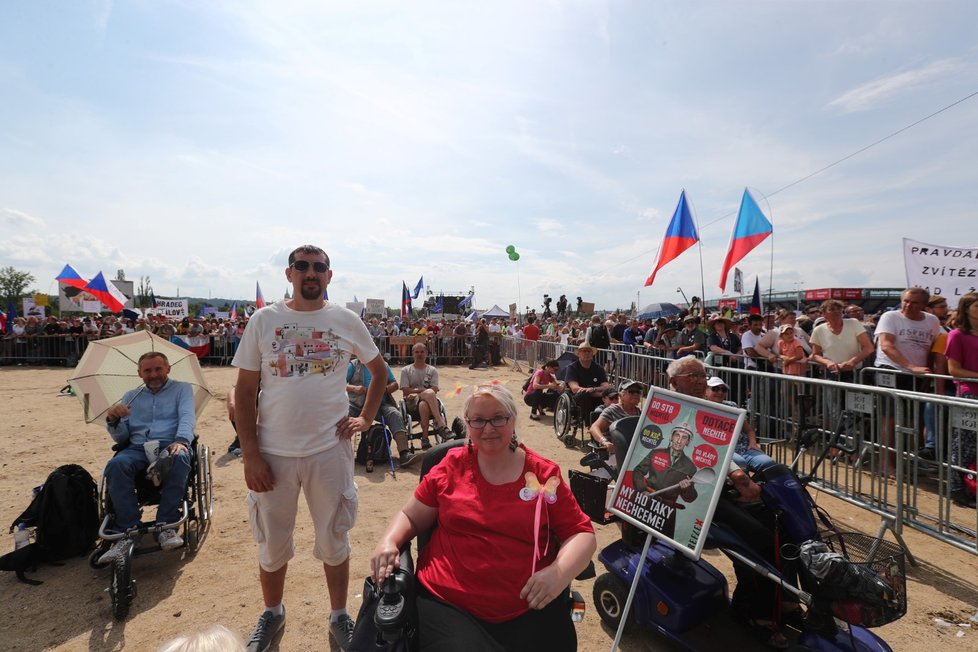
{"type": "Point", "coordinates": [199, 142]}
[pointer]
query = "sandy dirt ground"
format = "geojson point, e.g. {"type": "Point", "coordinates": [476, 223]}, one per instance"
{"type": "Point", "coordinates": [178, 592]}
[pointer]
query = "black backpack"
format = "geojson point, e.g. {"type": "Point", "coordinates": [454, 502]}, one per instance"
{"type": "Point", "coordinates": [64, 515]}
{"type": "Point", "coordinates": [373, 445]}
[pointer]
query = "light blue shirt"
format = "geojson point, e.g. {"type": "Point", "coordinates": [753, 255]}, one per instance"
{"type": "Point", "coordinates": [167, 415]}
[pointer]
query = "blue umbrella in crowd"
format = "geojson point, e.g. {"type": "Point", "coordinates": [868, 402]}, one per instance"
{"type": "Point", "coordinates": [656, 310]}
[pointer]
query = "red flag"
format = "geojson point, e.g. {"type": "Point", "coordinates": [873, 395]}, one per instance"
{"type": "Point", "coordinates": [259, 299]}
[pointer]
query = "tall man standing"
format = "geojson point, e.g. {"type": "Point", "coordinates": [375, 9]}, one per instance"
{"type": "Point", "coordinates": [298, 351]}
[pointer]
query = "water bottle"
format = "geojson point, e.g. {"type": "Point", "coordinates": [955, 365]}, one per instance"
{"type": "Point", "coordinates": [22, 536]}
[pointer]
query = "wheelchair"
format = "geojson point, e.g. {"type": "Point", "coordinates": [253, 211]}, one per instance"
{"type": "Point", "coordinates": [412, 418]}
{"type": "Point", "coordinates": [570, 416]}
{"type": "Point", "coordinates": [388, 618]}
{"type": "Point", "coordinates": [195, 516]}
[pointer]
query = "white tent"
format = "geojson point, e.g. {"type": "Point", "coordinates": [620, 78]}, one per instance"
{"type": "Point", "coordinates": [495, 312]}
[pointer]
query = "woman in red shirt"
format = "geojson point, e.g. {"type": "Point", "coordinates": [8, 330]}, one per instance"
{"type": "Point", "coordinates": [510, 539]}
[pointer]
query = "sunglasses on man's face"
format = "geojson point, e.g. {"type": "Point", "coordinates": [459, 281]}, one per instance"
{"type": "Point", "coordinates": [302, 266]}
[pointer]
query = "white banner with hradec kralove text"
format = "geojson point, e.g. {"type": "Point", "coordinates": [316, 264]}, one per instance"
{"type": "Point", "coordinates": [172, 308]}
{"type": "Point", "coordinates": [939, 269]}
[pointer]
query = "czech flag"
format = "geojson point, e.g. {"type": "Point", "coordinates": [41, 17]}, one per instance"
{"type": "Point", "coordinates": [152, 299]}
{"type": "Point", "coordinates": [233, 316]}
{"type": "Point", "coordinates": [70, 277]}
{"type": "Point", "coordinates": [405, 300]}
{"type": "Point", "coordinates": [680, 236]}
{"type": "Point", "coordinates": [3, 322]}
{"type": "Point", "coordinates": [107, 293]}
{"type": "Point", "coordinates": [755, 303]}
{"type": "Point", "coordinates": [259, 299]}
{"type": "Point", "coordinates": [750, 230]}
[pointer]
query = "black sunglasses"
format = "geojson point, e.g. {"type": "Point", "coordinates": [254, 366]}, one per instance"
{"type": "Point", "coordinates": [302, 266]}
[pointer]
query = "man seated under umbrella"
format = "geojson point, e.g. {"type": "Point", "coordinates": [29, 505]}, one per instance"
{"type": "Point", "coordinates": [152, 419]}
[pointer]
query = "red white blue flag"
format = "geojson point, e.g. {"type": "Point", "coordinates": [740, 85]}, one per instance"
{"type": "Point", "coordinates": [106, 292]}
{"type": "Point", "coordinates": [750, 229]}
{"type": "Point", "coordinates": [405, 300]}
{"type": "Point", "coordinates": [680, 236]}
{"type": "Point", "coordinates": [233, 316]}
{"type": "Point", "coordinates": [755, 303]}
{"type": "Point", "coordinates": [259, 299]}
{"type": "Point", "coordinates": [70, 277]}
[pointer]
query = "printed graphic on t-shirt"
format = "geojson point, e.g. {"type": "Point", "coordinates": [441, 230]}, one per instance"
{"type": "Point", "coordinates": [305, 351]}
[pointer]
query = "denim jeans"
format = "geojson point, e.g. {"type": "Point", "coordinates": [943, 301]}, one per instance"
{"type": "Point", "coordinates": [120, 474]}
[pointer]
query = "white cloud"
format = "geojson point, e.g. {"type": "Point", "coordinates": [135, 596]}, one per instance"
{"type": "Point", "coordinates": [872, 94]}
{"type": "Point", "coordinates": [13, 218]}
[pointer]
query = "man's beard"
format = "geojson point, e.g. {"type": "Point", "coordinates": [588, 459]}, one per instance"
{"type": "Point", "coordinates": [310, 293]}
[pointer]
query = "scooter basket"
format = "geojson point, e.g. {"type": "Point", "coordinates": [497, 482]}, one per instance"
{"type": "Point", "coordinates": [591, 493]}
{"type": "Point", "coordinates": [858, 578]}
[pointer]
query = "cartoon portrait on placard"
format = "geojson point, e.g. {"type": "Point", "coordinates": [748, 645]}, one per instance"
{"type": "Point", "coordinates": [675, 466]}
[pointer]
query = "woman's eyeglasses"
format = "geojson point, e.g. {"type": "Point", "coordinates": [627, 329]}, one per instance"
{"type": "Point", "coordinates": [478, 423]}
{"type": "Point", "coordinates": [302, 266]}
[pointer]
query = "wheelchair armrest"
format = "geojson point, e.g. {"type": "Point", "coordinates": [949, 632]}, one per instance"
{"type": "Point", "coordinates": [122, 445]}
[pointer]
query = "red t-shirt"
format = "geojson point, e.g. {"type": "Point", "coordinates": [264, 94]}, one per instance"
{"type": "Point", "coordinates": [480, 555]}
{"type": "Point", "coordinates": [531, 332]}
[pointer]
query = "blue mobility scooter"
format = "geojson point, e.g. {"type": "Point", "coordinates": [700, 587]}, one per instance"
{"type": "Point", "coordinates": [840, 584]}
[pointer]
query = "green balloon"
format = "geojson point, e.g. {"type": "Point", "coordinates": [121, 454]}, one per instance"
{"type": "Point", "coordinates": [510, 250]}
{"type": "Point", "coordinates": [514, 256]}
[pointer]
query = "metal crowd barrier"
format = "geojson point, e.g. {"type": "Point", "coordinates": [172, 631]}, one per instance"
{"type": "Point", "coordinates": [58, 350]}
{"type": "Point", "coordinates": [884, 475]}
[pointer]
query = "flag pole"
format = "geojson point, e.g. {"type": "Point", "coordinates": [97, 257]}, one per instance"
{"type": "Point", "coordinates": [699, 241]}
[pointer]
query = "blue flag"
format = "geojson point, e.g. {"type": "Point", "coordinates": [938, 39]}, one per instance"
{"type": "Point", "coordinates": [440, 305]}
{"type": "Point", "coordinates": [417, 288]}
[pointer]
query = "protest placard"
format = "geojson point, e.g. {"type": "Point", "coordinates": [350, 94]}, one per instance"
{"type": "Point", "coordinates": [674, 471]}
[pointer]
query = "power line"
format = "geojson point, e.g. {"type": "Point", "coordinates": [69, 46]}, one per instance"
{"type": "Point", "coordinates": [859, 151]}
{"type": "Point", "coordinates": [841, 160]}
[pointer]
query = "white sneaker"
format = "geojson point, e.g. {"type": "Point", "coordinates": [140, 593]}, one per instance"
{"type": "Point", "coordinates": [169, 539]}
{"type": "Point", "coordinates": [114, 552]}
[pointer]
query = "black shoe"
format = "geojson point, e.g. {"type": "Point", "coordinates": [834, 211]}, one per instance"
{"type": "Point", "coordinates": [342, 631]}
{"type": "Point", "coordinates": [926, 454]}
{"type": "Point", "coordinates": [962, 498]}
{"type": "Point", "coordinates": [265, 631]}
{"type": "Point", "coordinates": [426, 444]}
{"type": "Point", "coordinates": [408, 458]}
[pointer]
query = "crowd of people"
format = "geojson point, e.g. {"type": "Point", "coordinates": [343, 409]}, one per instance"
{"type": "Point", "coordinates": [312, 405]}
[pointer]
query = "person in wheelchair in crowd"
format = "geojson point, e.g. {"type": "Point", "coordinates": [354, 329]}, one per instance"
{"type": "Point", "coordinates": [419, 384]}
{"type": "Point", "coordinates": [152, 419]}
{"type": "Point", "coordinates": [586, 380]}
{"type": "Point", "coordinates": [543, 390]}
{"type": "Point", "coordinates": [357, 384]}
{"type": "Point", "coordinates": [629, 404]}
{"type": "Point", "coordinates": [494, 568]}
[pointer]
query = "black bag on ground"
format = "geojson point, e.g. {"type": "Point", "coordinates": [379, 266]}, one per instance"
{"type": "Point", "coordinates": [64, 515]}
{"type": "Point", "coordinates": [373, 445]}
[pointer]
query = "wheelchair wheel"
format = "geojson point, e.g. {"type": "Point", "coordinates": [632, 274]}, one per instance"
{"type": "Point", "coordinates": [191, 535]}
{"type": "Point", "coordinates": [610, 594]}
{"type": "Point", "coordinates": [122, 590]}
{"type": "Point", "coordinates": [100, 550]}
{"type": "Point", "coordinates": [562, 416]}
{"type": "Point", "coordinates": [204, 489]}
